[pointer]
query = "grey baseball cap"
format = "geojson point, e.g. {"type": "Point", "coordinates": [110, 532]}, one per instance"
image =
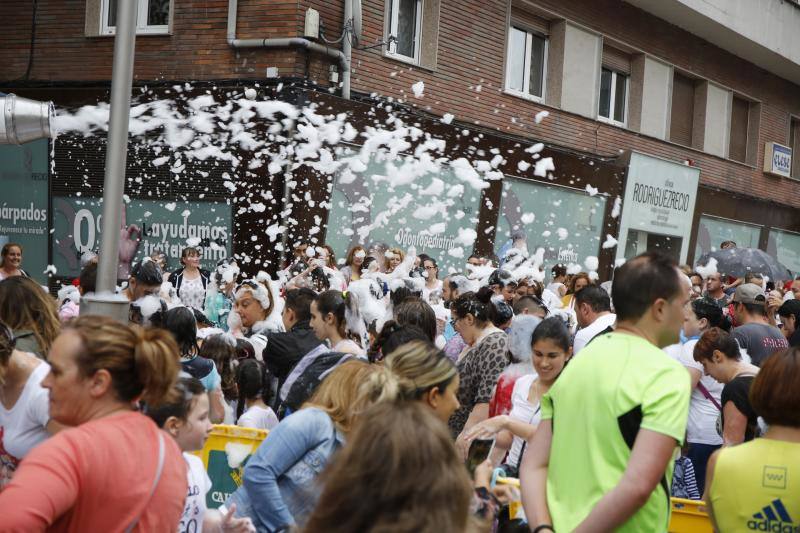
{"type": "Point", "coordinates": [749, 293]}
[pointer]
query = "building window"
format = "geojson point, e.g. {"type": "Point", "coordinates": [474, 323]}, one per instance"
{"type": "Point", "coordinates": [526, 63]}
{"type": "Point", "coordinates": [152, 16]}
{"type": "Point", "coordinates": [405, 23]}
{"type": "Point", "coordinates": [740, 120]}
{"type": "Point", "coordinates": [794, 144]}
{"type": "Point", "coordinates": [613, 97]}
{"type": "Point", "coordinates": [682, 115]}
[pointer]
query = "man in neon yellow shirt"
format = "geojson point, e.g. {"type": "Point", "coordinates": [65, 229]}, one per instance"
{"type": "Point", "coordinates": [601, 458]}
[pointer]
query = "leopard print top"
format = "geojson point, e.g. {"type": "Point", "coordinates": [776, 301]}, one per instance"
{"type": "Point", "coordinates": [478, 371]}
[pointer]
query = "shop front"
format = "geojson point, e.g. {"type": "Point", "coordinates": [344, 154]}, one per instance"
{"type": "Point", "coordinates": [748, 222]}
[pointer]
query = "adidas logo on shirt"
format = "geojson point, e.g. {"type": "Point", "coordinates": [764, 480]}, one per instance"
{"type": "Point", "coordinates": [773, 518]}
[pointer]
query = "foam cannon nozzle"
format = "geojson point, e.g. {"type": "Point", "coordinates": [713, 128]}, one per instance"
{"type": "Point", "coordinates": [24, 120]}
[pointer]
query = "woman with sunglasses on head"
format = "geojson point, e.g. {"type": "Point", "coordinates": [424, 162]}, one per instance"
{"type": "Point", "coordinates": [334, 318]}
{"type": "Point", "coordinates": [480, 365]}
{"type": "Point", "coordinates": [24, 404]}
{"type": "Point", "coordinates": [31, 314]}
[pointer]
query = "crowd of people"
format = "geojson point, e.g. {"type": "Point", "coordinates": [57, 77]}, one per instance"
{"type": "Point", "coordinates": [377, 377]}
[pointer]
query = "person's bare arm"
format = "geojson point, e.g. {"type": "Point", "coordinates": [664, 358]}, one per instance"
{"type": "Point", "coordinates": [533, 475]}
{"type": "Point", "coordinates": [216, 406]}
{"type": "Point", "coordinates": [735, 425]}
{"type": "Point", "coordinates": [652, 452]}
{"type": "Point", "coordinates": [479, 413]}
{"type": "Point", "coordinates": [695, 375]}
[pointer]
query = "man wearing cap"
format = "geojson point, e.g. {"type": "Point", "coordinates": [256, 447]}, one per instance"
{"type": "Point", "coordinates": [754, 333]}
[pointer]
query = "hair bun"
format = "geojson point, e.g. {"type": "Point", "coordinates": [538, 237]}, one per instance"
{"type": "Point", "coordinates": [484, 295]}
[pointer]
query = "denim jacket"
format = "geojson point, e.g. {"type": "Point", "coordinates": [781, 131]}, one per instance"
{"type": "Point", "coordinates": [279, 480]}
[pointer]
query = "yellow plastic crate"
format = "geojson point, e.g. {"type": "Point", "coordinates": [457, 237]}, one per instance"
{"type": "Point", "coordinates": [689, 516]}
{"type": "Point", "coordinates": [226, 444]}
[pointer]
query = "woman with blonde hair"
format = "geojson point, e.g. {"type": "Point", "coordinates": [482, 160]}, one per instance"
{"type": "Point", "coordinates": [30, 313]}
{"type": "Point", "coordinates": [114, 470]}
{"type": "Point", "coordinates": [425, 374]}
{"type": "Point", "coordinates": [400, 473]}
{"type": "Point", "coordinates": [279, 490]}
{"type": "Point", "coordinates": [393, 257]}
{"type": "Point", "coordinates": [254, 305]}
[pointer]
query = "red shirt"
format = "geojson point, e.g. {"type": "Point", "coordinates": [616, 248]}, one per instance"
{"type": "Point", "coordinates": [500, 403]}
{"type": "Point", "coordinates": [97, 477]}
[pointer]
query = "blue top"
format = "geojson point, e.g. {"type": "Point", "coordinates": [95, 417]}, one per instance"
{"type": "Point", "coordinates": [278, 487]}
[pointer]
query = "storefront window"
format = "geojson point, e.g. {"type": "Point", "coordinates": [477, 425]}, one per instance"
{"type": "Point", "coordinates": [712, 232]}
{"type": "Point", "coordinates": [150, 226]}
{"type": "Point", "coordinates": [785, 246]}
{"type": "Point", "coordinates": [387, 203]}
{"type": "Point", "coordinates": [565, 222]}
{"type": "Point", "coordinates": [23, 210]}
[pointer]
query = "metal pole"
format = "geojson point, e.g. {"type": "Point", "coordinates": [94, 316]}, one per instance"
{"type": "Point", "coordinates": [347, 48]}
{"type": "Point", "coordinates": [104, 301]}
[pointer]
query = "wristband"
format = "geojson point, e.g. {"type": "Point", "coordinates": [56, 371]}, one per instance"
{"type": "Point", "coordinates": [543, 527]}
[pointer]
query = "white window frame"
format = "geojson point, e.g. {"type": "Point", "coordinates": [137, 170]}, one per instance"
{"type": "Point", "coordinates": [394, 21]}
{"type": "Point", "coordinates": [610, 120]}
{"type": "Point", "coordinates": [526, 80]}
{"type": "Point", "coordinates": [142, 28]}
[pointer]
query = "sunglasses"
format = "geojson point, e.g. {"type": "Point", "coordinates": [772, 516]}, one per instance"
{"type": "Point", "coordinates": [8, 335]}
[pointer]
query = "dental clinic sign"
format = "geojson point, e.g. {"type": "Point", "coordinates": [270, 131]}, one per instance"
{"type": "Point", "coordinates": [778, 160]}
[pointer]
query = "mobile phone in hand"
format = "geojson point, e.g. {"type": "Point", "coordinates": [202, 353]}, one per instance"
{"type": "Point", "coordinates": [479, 451]}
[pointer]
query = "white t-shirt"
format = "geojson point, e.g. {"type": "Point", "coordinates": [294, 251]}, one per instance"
{"type": "Point", "coordinates": [258, 417]}
{"type": "Point", "coordinates": [23, 426]}
{"type": "Point", "coordinates": [583, 336]}
{"type": "Point", "coordinates": [522, 410]}
{"type": "Point", "coordinates": [192, 293]}
{"type": "Point", "coordinates": [701, 427]}
{"type": "Point", "coordinates": [194, 510]}
{"type": "Point", "coordinates": [348, 346]}
{"type": "Point", "coordinates": [551, 300]}
{"type": "Point", "coordinates": [426, 292]}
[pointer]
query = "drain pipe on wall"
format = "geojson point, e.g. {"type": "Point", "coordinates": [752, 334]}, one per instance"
{"type": "Point", "coordinates": [342, 57]}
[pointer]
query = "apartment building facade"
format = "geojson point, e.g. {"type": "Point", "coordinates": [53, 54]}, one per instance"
{"type": "Point", "coordinates": [671, 106]}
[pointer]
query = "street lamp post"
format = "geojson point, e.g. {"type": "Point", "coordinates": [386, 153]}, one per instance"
{"type": "Point", "coordinates": [105, 301]}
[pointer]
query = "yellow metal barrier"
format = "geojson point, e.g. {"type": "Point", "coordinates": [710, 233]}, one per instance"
{"type": "Point", "coordinates": [689, 516]}
{"type": "Point", "coordinates": [226, 452]}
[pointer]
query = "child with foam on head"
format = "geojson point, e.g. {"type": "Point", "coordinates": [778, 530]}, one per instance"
{"type": "Point", "coordinates": [187, 421]}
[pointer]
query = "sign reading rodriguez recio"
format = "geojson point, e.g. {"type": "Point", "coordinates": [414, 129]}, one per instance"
{"type": "Point", "coordinates": [659, 199]}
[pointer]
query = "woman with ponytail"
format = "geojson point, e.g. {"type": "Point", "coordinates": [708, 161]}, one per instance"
{"type": "Point", "coordinates": [114, 470]}
{"type": "Point", "coordinates": [335, 318]}
{"type": "Point", "coordinates": [479, 366]}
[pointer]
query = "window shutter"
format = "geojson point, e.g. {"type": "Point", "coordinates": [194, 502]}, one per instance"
{"type": "Point", "coordinates": [616, 60]}
{"type": "Point", "coordinates": [738, 141]}
{"type": "Point", "coordinates": [682, 115]}
{"type": "Point", "coordinates": [529, 21]}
